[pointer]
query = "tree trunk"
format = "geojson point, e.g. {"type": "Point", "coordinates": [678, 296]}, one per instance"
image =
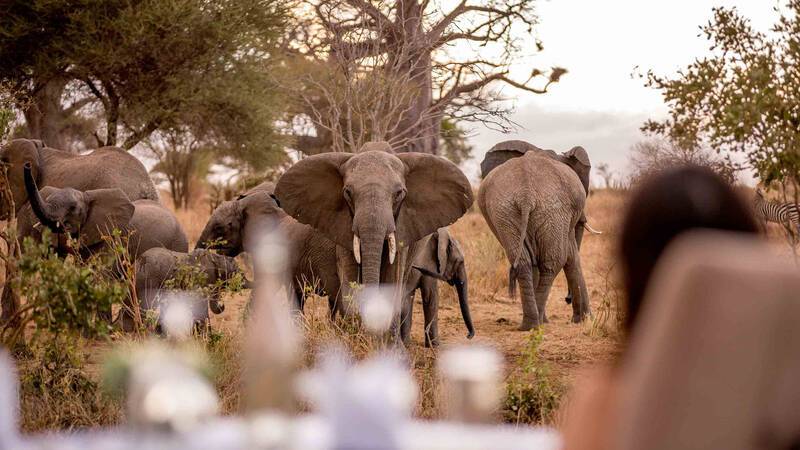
{"type": "Point", "coordinates": [421, 129]}
{"type": "Point", "coordinates": [44, 117]}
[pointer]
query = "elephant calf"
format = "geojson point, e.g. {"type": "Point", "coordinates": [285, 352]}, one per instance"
{"type": "Point", "coordinates": [234, 226]}
{"type": "Point", "coordinates": [159, 270]}
{"type": "Point", "coordinates": [439, 258]}
{"type": "Point", "coordinates": [89, 215]}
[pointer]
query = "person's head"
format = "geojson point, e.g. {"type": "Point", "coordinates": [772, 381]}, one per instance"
{"type": "Point", "coordinates": [675, 200]}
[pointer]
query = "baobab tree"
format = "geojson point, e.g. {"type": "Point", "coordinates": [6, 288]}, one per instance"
{"type": "Point", "coordinates": [393, 70]}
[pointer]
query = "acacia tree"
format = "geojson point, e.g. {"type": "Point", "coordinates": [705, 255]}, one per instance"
{"type": "Point", "coordinates": [742, 98]}
{"type": "Point", "coordinates": [135, 66]}
{"type": "Point", "coordinates": [394, 70]}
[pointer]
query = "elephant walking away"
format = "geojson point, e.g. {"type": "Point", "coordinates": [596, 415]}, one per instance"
{"type": "Point", "coordinates": [90, 215]}
{"type": "Point", "coordinates": [576, 158]}
{"type": "Point", "coordinates": [235, 225]}
{"type": "Point", "coordinates": [439, 257]}
{"type": "Point", "coordinates": [379, 205]}
{"type": "Point", "coordinates": [533, 205]}
{"type": "Point", "coordinates": [159, 270]}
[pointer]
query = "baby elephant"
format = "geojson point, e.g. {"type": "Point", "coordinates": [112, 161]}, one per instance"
{"type": "Point", "coordinates": [159, 270]}
{"type": "Point", "coordinates": [439, 258]}
{"type": "Point", "coordinates": [90, 215]}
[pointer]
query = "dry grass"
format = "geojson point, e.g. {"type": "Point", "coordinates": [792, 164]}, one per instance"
{"type": "Point", "coordinates": [563, 350]}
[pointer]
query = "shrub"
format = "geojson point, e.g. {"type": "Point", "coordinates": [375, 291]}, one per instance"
{"type": "Point", "coordinates": [532, 394]}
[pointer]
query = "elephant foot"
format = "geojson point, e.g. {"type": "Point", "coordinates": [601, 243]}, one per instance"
{"type": "Point", "coordinates": [578, 318]}
{"type": "Point", "coordinates": [528, 324]}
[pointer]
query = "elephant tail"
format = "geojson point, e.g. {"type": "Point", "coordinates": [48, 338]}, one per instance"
{"type": "Point", "coordinates": [525, 213]}
{"type": "Point", "coordinates": [512, 282]}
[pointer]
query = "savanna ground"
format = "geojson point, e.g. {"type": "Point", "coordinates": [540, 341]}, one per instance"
{"type": "Point", "coordinates": [539, 367]}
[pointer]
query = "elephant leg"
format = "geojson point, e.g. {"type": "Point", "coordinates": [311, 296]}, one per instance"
{"type": "Point", "coordinates": [576, 282]}
{"type": "Point", "coordinates": [334, 300]}
{"type": "Point", "coordinates": [406, 314]}
{"type": "Point", "coordinates": [430, 309]}
{"type": "Point", "coordinates": [528, 280]}
{"type": "Point", "coordinates": [543, 292]}
{"type": "Point", "coordinates": [579, 230]}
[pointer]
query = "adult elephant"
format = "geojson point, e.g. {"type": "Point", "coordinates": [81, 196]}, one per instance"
{"type": "Point", "coordinates": [533, 205]}
{"type": "Point", "coordinates": [378, 204]}
{"type": "Point", "coordinates": [107, 167]}
{"type": "Point", "coordinates": [234, 227]}
{"type": "Point", "coordinates": [576, 158]}
{"type": "Point", "coordinates": [89, 215]}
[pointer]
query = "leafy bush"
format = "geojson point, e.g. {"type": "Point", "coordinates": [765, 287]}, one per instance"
{"type": "Point", "coordinates": [532, 395]}
{"type": "Point", "coordinates": [67, 295]}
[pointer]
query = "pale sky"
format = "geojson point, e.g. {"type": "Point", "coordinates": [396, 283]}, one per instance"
{"type": "Point", "coordinates": [598, 104]}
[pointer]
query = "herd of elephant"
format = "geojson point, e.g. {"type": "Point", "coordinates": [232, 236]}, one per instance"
{"type": "Point", "coordinates": [371, 218]}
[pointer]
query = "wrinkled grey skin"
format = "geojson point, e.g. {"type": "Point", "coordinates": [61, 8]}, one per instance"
{"type": "Point", "coordinates": [374, 196]}
{"type": "Point", "coordinates": [158, 265]}
{"type": "Point", "coordinates": [90, 215]}
{"type": "Point", "coordinates": [107, 167]}
{"type": "Point", "coordinates": [532, 205]}
{"type": "Point", "coordinates": [439, 257]}
{"type": "Point", "coordinates": [576, 158]}
{"type": "Point", "coordinates": [312, 257]}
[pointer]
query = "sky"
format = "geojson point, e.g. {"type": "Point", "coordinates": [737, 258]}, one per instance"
{"type": "Point", "coordinates": [598, 104]}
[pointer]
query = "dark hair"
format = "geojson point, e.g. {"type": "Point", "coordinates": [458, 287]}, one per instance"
{"type": "Point", "coordinates": [671, 202]}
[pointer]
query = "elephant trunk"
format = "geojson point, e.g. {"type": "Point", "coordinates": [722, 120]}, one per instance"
{"type": "Point", "coordinates": [460, 284]}
{"type": "Point", "coordinates": [371, 232]}
{"type": "Point", "coordinates": [38, 204]}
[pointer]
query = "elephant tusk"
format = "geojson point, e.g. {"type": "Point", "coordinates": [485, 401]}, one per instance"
{"type": "Point", "coordinates": [392, 248]}
{"type": "Point", "coordinates": [591, 230]}
{"type": "Point", "coordinates": [357, 248]}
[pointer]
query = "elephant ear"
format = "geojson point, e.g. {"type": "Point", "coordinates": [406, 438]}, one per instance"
{"type": "Point", "coordinates": [108, 209]}
{"type": "Point", "coordinates": [578, 159]}
{"type": "Point", "coordinates": [442, 243]}
{"type": "Point", "coordinates": [438, 194]}
{"type": "Point", "coordinates": [311, 192]}
{"type": "Point", "coordinates": [504, 151]}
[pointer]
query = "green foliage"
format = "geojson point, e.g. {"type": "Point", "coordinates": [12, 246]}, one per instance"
{"type": "Point", "coordinates": [151, 65]}
{"type": "Point", "coordinates": [67, 295]}
{"type": "Point", "coordinates": [454, 142]}
{"type": "Point", "coordinates": [192, 277]}
{"type": "Point", "coordinates": [531, 395]}
{"type": "Point", "coordinates": [743, 97]}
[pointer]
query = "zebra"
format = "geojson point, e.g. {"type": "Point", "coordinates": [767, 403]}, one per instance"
{"type": "Point", "coordinates": [786, 214]}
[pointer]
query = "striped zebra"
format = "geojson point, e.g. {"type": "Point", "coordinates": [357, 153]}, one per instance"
{"type": "Point", "coordinates": [786, 214]}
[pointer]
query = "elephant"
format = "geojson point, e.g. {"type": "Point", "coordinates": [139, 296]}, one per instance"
{"type": "Point", "coordinates": [89, 215]}
{"type": "Point", "coordinates": [576, 158]}
{"type": "Point", "coordinates": [439, 257]}
{"type": "Point", "coordinates": [158, 267]}
{"type": "Point", "coordinates": [234, 226]}
{"type": "Point", "coordinates": [106, 167]}
{"type": "Point", "coordinates": [379, 205]}
{"type": "Point", "coordinates": [533, 205]}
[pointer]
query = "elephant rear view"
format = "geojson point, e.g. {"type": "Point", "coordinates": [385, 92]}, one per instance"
{"type": "Point", "coordinates": [532, 204]}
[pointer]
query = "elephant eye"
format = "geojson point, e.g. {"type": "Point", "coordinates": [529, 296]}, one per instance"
{"type": "Point", "coordinates": [348, 193]}
{"type": "Point", "coordinates": [399, 194]}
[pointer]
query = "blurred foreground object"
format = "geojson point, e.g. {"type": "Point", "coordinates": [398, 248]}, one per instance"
{"type": "Point", "coordinates": [472, 377]}
{"type": "Point", "coordinates": [715, 357]}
